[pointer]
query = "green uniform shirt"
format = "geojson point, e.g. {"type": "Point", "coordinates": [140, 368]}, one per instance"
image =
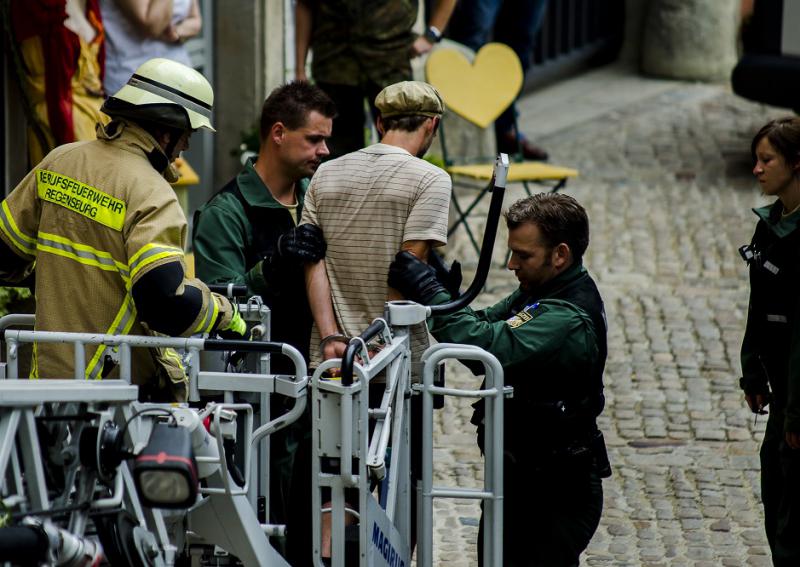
{"type": "Point", "coordinates": [771, 345]}
{"type": "Point", "coordinates": [544, 332]}
{"type": "Point", "coordinates": [222, 232]}
{"type": "Point", "coordinates": [552, 355]}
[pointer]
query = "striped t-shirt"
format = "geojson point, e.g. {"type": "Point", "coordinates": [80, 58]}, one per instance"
{"type": "Point", "coordinates": [367, 204]}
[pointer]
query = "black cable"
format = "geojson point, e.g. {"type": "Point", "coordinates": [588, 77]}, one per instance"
{"type": "Point", "coordinates": [144, 411]}
{"type": "Point", "coordinates": [52, 511]}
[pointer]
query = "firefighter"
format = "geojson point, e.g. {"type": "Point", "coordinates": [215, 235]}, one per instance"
{"type": "Point", "coordinates": [106, 234]}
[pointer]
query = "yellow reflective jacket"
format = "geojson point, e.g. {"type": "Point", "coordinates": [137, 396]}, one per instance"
{"type": "Point", "coordinates": [95, 217]}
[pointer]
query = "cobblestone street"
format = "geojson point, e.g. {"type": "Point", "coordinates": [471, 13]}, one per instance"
{"type": "Point", "coordinates": [665, 177]}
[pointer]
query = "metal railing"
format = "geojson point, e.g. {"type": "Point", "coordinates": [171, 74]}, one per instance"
{"type": "Point", "coordinates": [492, 493]}
{"type": "Point", "coordinates": [575, 34]}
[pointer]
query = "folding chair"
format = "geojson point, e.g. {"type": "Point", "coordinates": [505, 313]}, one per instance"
{"type": "Point", "coordinates": [479, 92]}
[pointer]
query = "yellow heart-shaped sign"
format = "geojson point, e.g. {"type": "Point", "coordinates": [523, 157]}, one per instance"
{"type": "Point", "coordinates": [479, 91]}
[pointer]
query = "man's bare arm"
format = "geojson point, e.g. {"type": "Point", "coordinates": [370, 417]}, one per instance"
{"type": "Point", "coordinates": [192, 24]}
{"type": "Point", "coordinates": [438, 18]}
{"type": "Point", "coordinates": [419, 248]}
{"type": "Point", "coordinates": [318, 290]}
{"type": "Point", "coordinates": [303, 21]}
{"type": "Point", "coordinates": [151, 17]}
{"type": "Point", "coordinates": [440, 14]}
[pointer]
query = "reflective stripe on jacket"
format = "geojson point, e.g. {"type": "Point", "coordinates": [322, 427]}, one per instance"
{"type": "Point", "coordinates": [95, 217]}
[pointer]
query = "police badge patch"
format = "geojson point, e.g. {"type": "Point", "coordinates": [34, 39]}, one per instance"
{"type": "Point", "coordinates": [528, 313]}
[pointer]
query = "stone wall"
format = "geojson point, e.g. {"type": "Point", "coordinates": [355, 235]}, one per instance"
{"type": "Point", "coordinates": [690, 39]}
{"type": "Point", "coordinates": [250, 57]}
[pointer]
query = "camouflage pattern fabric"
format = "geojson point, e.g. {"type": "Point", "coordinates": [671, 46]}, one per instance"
{"type": "Point", "coordinates": [356, 42]}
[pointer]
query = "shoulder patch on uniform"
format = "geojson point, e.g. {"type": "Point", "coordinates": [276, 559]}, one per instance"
{"type": "Point", "coordinates": [528, 313]}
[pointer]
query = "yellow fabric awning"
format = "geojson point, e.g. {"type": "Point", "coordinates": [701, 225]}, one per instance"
{"type": "Point", "coordinates": [188, 176]}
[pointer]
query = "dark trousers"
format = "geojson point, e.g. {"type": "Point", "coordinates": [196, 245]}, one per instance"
{"type": "Point", "coordinates": [780, 491]}
{"type": "Point", "coordinates": [350, 123]}
{"type": "Point", "coordinates": [549, 516]}
{"type": "Point", "coordinates": [299, 537]}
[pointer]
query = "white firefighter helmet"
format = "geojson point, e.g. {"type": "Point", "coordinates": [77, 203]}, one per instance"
{"type": "Point", "coordinates": [165, 92]}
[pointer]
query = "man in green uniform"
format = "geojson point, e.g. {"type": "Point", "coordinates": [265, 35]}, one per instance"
{"type": "Point", "coordinates": [550, 337]}
{"type": "Point", "coordinates": [248, 234]}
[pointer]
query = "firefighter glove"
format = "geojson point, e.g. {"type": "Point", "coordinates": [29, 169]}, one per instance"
{"type": "Point", "coordinates": [413, 278]}
{"type": "Point", "coordinates": [301, 244]}
{"type": "Point", "coordinates": [236, 326]}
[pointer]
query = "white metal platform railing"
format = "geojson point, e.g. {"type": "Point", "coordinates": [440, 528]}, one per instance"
{"type": "Point", "coordinates": [492, 494]}
{"type": "Point", "coordinates": [225, 515]}
{"type": "Point", "coordinates": [363, 455]}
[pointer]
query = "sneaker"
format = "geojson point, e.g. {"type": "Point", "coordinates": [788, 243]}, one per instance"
{"type": "Point", "coordinates": [507, 143]}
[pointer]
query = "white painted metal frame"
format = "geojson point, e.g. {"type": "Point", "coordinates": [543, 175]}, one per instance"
{"type": "Point", "coordinates": [341, 432]}
{"type": "Point", "coordinates": [492, 494]}
{"type": "Point", "coordinates": [223, 507]}
{"type": "Point", "coordinates": [341, 416]}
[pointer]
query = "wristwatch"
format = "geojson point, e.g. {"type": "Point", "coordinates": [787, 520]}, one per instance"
{"type": "Point", "coordinates": [433, 34]}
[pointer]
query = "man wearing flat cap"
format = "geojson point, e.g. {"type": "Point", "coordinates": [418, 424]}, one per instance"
{"type": "Point", "coordinates": [370, 204]}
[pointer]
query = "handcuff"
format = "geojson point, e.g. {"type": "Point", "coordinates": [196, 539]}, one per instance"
{"type": "Point", "coordinates": [338, 337]}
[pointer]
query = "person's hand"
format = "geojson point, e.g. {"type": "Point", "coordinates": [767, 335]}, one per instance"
{"type": "Point", "coordinates": [421, 46]}
{"type": "Point", "coordinates": [236, 329]}
{"type": "Point", "coordinates": [793, 439]}
{"type": "Point", "coordinates": [300, 74]}
{"type": "Point", "coordinates": [170, 35]}
{"type": "Point", "coordinates": [333, 349]}
{"type": "Point", "coordinates": [450, 277]}
{"type": "Point", "coordinates": [302, 244]}
{"type": "Point", "coordinates": [415, 279]}
{"type": "Point", "coordinates": [757, 402]}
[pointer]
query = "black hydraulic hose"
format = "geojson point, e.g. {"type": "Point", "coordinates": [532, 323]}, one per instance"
{"type": "Point", "coordinates": [489, 236]}
{"type": "Point", "coordinates": [229, 290]}
{"type": "Point", "coordinates": [350, 354]}
{"type": "Point", "coordinates": [230, 457]}
{"type": "Point", "coordinates": [243, 346]}
{"type": "Point", "coordinates": [484, 263]}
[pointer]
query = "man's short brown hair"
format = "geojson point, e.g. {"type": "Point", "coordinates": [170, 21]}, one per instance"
{"type": "Point", "coordinates": [410, 123]}
{"type": "Point", "coordinates": [560, 218]}
{"type": "Point", "coordinates": [290, 105]}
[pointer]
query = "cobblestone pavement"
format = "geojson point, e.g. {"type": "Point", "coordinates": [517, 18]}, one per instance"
{"type": "Point", "coordinates": [665, 178]}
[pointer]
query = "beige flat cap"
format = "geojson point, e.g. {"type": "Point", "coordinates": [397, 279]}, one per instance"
{"type": "Point", "coordinates": [409, 98]}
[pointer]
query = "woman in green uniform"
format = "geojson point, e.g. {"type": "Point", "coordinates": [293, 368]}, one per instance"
{"type": "Point", "coordinates": [771, 346]}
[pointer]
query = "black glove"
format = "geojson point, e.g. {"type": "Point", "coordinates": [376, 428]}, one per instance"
{"type": "Point", "coordinates": [413, 278]}
{"type": "Point", "coordinates": [301, 244]}
{"type": "Point", "coordinates": [449, 277]}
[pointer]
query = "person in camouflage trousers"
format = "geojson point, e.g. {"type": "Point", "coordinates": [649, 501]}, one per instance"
{"type": "Point", "coordinates": [359, 48]}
